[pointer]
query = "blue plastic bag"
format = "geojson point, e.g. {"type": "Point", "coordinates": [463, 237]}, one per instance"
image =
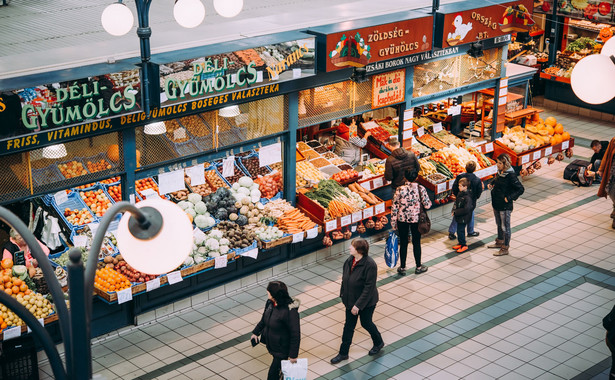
{"type": "Point", "coordinates": [391, 251]}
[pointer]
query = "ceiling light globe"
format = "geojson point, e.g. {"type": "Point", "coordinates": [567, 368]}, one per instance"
{"type": "Point", "coordinates": [609, 48]}
{"type": "Point", "coordinates": [592, 79]}
{"type": "Point", "coordinates": [189, 13]}
{"type": "Point", "coordinates": [228, 8]}
{"type": "Point", "coordinates": [117, 19]}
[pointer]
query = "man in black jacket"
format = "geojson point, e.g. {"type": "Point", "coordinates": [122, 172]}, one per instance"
{"type": "Point", "coordinates": [599, 148]}
{"type": "Point", "coordinates": [359, 296]}
{"type": "Point", "coordinates": [397, 163]}
{"type": "Point", "coordinates": [475, 189]}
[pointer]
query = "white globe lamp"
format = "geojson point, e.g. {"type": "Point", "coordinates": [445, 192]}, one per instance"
{"type": "Point", "coordinates": [608, 48]}
{"type": "Point", "coordinates": [189, 13]}
{"type": "Point", "coordinates": [228, 8]}
{"type": "Point", "coordinates": [593, 79]}
{"type": "Point", "coordinates": [117, 19]}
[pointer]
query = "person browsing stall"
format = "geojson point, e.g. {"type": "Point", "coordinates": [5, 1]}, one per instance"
{"type": "Point", "coordinates": [462, 213]}
{"type": "Point", "coordinates": [475, 189]}
{"type": "Point", "coordinates": [398, 163]}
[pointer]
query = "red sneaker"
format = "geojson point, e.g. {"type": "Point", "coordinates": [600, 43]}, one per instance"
{"type": "Point", "coordinates": [462, 249]}
{"type": "Point", "coordinates": [457, 246]}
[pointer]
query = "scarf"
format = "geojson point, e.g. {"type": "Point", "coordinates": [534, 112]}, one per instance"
{"type": "Point", "coordinates": [605, 167]}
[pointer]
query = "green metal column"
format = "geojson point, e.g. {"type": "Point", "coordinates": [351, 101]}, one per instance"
{"type": "Point", "coordinates": [129, 154]}
{"type": "Point", "coordinates": [290, 158]}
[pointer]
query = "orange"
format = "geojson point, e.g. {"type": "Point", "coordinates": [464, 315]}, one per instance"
{"type": "Point", "coordinates": [28, 292]}
{"type": "Point", "coordinates": [8, 291]}
{"type": "Point", "coordinates": [17, 281]}
{"type": "Point", "coordinates": [23, 287]}
{"type": "Point", "coordinates": [15, 289]}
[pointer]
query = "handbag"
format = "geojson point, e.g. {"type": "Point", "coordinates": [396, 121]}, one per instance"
{"type": "Point", "coordinates": [391, 250]}
{"type": "Point", "coordinates": [424, 222]}
{"type": "Point", "coordinates": [295, 371]}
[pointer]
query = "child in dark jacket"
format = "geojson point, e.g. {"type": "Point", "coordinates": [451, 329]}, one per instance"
{"type": "Point", "coordinates": [462, 212]}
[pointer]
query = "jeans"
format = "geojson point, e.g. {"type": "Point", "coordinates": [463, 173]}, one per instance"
{"type": "Point", "coordinates": [502, 220]}
{"type": "Point", "coordinates": [275, 370]}
{"type": "Point", "coordinates": [461, 233]}
{"type": "Point", "coordinates": [402, 230]}
{"type": "Point", "coordinates": [367, 323]}
{"type": "Point", "coordinates": [453, 227]}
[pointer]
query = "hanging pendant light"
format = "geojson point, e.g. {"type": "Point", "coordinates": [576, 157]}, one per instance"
{"type": "Point", "coordinates": [54, 151]}
{"type": "Point", "coordinates": [117, 19]}
{"type": "Point", "coordinates": [228, 8]}
{"type": "Point", "coordinates": [156, 128]}
{"type": "Point", "coordinates": [189, 13]}
{"type": "Point", "coordinates": [230, 111]}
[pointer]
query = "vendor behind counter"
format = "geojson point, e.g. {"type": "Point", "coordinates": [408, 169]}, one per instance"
{"type": "Point", "coordinates": [349, 147]}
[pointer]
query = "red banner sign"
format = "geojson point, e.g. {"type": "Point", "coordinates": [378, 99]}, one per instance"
{"type": "Point", "coordinates": [388, 88]}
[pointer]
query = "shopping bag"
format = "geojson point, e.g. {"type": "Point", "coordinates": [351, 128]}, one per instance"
{"type": "Point", "coordinates": [391, 251]}
{"type": "Point", "coordinates": [296, 371]}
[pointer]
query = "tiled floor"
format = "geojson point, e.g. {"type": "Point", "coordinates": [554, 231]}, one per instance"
{"type": "Point", "coordinates": [535, 314]}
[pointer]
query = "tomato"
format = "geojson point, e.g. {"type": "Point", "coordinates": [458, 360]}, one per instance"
{"type": "Point", "coordinates": [604, 8]}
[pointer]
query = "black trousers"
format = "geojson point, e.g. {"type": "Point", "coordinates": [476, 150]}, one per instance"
{"type": "Point", "coordinates": [612, 349]}
{"type": "Point", "coordinates": [367, 323]}
{"type": "Point", "coordinates": [275, 370]}
{"type": "Point", "coordinates": [402, 229]}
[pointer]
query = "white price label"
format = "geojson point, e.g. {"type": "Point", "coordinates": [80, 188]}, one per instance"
{"type": "Point", "coordinates": [198, 234]}
{"type": "Point", "coordinates": [40, 320]}
{"type": "Point", "coordinates": [357, 216]}
{"type": "Point", "coordinates": [270, 154]}
{"type": "Point", "coordinates": [298, 237]}
{"type": "Point", "coordinates": [488, 147]}
{"type": "Point", "coordinates": [380, 208]}
{"type": "Point", "coordinates": [454, 110]}
{"type": "Point", "coordinates": [331, 225]}
{"type": "Point", "coordinates": [93, 227]}
{"type": "Point", "coordinates": [493, 169]}
{"type": "Point", "coordinates": [149, 193]}
{"type": "Point", "coordinates": [502, 101]}
{"type": "Point", "coordinates": [367, 185]}
{"type": "Point", "coordinates": [296, 73]}
{"type": "Point", "coordinates": [409, 114]}
{"type": "Point", "coordinates": [220, 262]}
{"type": "Point", "coordinates": [13, 332]}
{"type": "Point", "coordinates": [441, 187]}
{"type": "Point", "coordinates": [60, 197]}
{"type": "Point", "coordinates": [312, 233]}
{"type": "Point", "coordinates": [196, 174]}
{"type": "Point", "coordinates": [420, 131]}
{"type": "Point", "coordinates": [253, 253]}
{"type": "Point", "coordinates": [549, 151]}
{"type": "Point", "coordinates": [408, 125]}
{"type": "Point", "coordinates": [259, 76]}
{"type": "Point", "coordinates": [407, 135]}
{"type": "Point", "coordinates": [80, 240]}
{"type": "Point", "coordinates": [228, 166]}
{"type": "Point", "coordinates": [174, 277]}
{"type": "Point", "coordinates": [170, 182]}
{"type": "Point", "coordinates": [152, 284]}
{"type": "Point", "coordinates": [345, 220]}
{"type": "Point", "coordinates": [525, 159]}
{"type": "Point", "coordinates": [378, 182]}
{"type": "Point", "coordinates": [437, 127]}
{"type": "Point", "coordinates": [368, 212]}
{"type": "Point", "coordinates": [353, 228]}
{"type": "Point", "coordinates": [565, 144]}
{"type": "Point", "coordinates": [536, 155]}
{"type": "Point", "coordinates": [450, 184]}
{"type": "Point", "coordinates": [124, 295]}
{"type": "Point", "coordinates": [179, 133]}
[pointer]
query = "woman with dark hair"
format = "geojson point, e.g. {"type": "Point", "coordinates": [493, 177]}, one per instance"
{"type": "Point", "coordinates": [405, 217]}
{"type": "Point", "coordinates": [505, 188]}
{"type": "Point", "coordinates": [359, 296]}
{"type": "Point", "coordinates": [279, 327]}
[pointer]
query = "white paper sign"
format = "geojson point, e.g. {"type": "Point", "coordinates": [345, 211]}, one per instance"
{"type": "Point", "coordinates": [60, 197]}
{"type": "Point", "coordinates": [296, 73]}
{"type": "Point", "coordinates": [220, 261]}
{"type": "Point", "coordinates": [493, 169]}
{"type": "Point", "coordinates": [259, 76]}
{"type": "Point", "coordinates": [502, 101]}
{"type": "Point", "coordinates": [565, 144]}
{"type": "Point", "coordinates": [441, 187]}
{"type": "Point", "coordinates": [174, 277]}
{"type": "Point", "coordinates": [353, 228]}
{"type": "Point", "coordinates": [488, 147]}
{"type": "Point", "coordinates": [409, 114]}
{"type": "Point", "coordinates": [149, 193]}
{"type": "Point", "coordinates": [525, 159]}
{"type": "Point", "coordinates": [312, 233]}
{"type": "Point", "coordinates": [407, 135]}
{"type": "Point", "coordinates": [13, 332]}
{"type": "Point", "coordinates": [454, 110]}
{"type": "Point", "coordinates": [198, 234]}
{"type": "Point", "coordinates": [345, 220]}
{"type": "Point", "coordinates": [368, 212]}
{"type": "Point", "coordinates": [80, 241]}
{"type": "Point", "coordinates": [228, 166]}
{"type": "Point", "coordinates": [437, 127]}
{"type": "Point", "coordinates": [408, 125]}
{"type": "Point", "coordinates": [549, 151]}
{"type": "Point", "coordinates": [93, 227]}
{"type": "Point", "coordinates": [298, 237]}
{"type": "Point", "coordinates": [196, 174]}
{"type": "Point", "coordinates": [170, 182]}
{"type": "Point", "coordinates": [420, 131]}
{"type": "Point", "coordinates": [270, 154]}
{"type": "Point", "coordinates": [152, 284]}
{"type": "Point", "coordinates": [536, 155]}
{"type": "Point", "coordinates": [450, 184]}
{"type": "Point", "coordinates": [253, 253]}
{"type": "Point", "coordinates": [124, 295]}
{"type": "Point", "coordinates": [179, 133]}
{"type": "Point", "coordinates": [378, 182]}
{"type": "Point", "coordinates": [380, 208]}
{"type": "Point", "coordinates": [331, 225]}
{"type": "Point", "coordinates": [357, 216]}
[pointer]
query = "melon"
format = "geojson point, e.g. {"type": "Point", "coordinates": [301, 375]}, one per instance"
{"type": "Point", "coordinates": [559, 128]}
{"type": "Point", "coordinates": [551, 121]}
{"type": "Point", "coordinates": [113, 152]}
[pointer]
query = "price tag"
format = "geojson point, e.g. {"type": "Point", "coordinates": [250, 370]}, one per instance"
{"type": "Point", "coordinates": [124, 295]}
{"type": "Point", "coordinates": [437, 127]}
{"type": "Point", "coordinates": [454, 110]}
{"type": "Point", "coordinates": [536, 155]}
{"type": "Point", "coordinates": [60, 197]}
{"type": "Point", "coordinates": [196, 174]}
{"type": "Point", "coordinates": [312, 233]}
{"type": "Point", "coordinates": [270, 154]}
{"type": "Point", "coordinates": [367, 185]}
{"type": "Point", "coordinates": [40, 320]}
{"type": "Point", "coordinates": [179, 133]}
{"type": "Point", "coordinates": [93, 227]}
{"type": "Point", "coordinates": [331, 225]}
{"type": "Point", "coordinates": [493, 169]}
{"type": "Point", "coordinates": [380, 208]}
{"type": "Point", "coordinates": [152, 284]}
{"type": "Point", "coordinates": [80, 241]}
{"type": "Point", "coordinates": [525, 159]}
{"type": "Point", "coordinates": [253, 253]}
{"type": "Point", "coordinates": [172, 181]}
{"type": "Point", "coordinates": [357, 216]}
{"type": "Point", "coordinates": [450, 184]}
{"type": "Point", "coordinates": [441, 187]}
{"type": "Point", "coordinates": [298, 237]}
{"type": "Point", "coordinates": [149, 193]}
{"type": "Point", "coordinates": [353, 228]}
{"type": "Point", "coordinates": [407, 134]}
{"type": "Point", "coordinates": [13, 332]}
{"type": "Point", "coordinates": [345, 220]}
{"type": "Point", "coordinates": [220, 261]}
{"type": "Point", "coordinates": [228, 166]}
{"type": "Point", "coordinates": [296, 73]}
{"type": "Point", "coordinates": [378, 182]}
{"type": "Point", "coordinates": [368, 212]}
{"type": "Point", "coordinates": [174, 277]}
{"type": "Point", "coordinates": [409, 114]}
{"type": "Point", "coordinates": [565, 144]}
{"type": "Point", "coordinates": [408, 125]}
{"type": "Point", "coordinates": [502, 101]}
{"type": "Point", "coordinates": [488, 147]}
{"type": "Point", "coordinates": [420, 131]}
{"type": "Point", "coordinates": [549, 151]}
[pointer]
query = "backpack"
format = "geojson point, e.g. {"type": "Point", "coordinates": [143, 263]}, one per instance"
{"type": "Point", "coordinates": [576, 172]}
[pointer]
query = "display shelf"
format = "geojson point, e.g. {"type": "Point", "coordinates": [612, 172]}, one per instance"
{"type": "Point", "coordinates": [268, 244]}
{"type": "Point", "coordinates": [533, 154]}
{"type": "Point", "coordinates": [24, 329]}
{"type": "Point", "coordinates": [529, 111]}
{"type": "Point", "coordinates": [317, 213]}
{"type": "Point", "coordinates": [554, 78]}
{"type": "Point", "coordinates": [374, 182]}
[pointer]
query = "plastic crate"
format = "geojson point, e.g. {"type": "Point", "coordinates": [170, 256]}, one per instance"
{"type": "Point", "coordinates": [204, 142]}
{"type": "Point", "coordinates": [45, 176]}
{"type": "Point", "coordinates": [140, 197]}
{"type": "Point", "coordinates": [239, 172]}
{"type": "Point", "coordinates": [74, 201]}
{"type": "Point", "coordinates": [74, 159]}
{"type": "Point", "coordinates": [107, 248]}
{"type": "Point", "coordinates": [95, 188]}
{"type": "Point", "coordinates": [240, 251]}
{"type": "Point", "coordinates": [97, 157]}
{"type": "Point", "coordinates": [263, 171]}
{"type": "Point", "coordinates": [185, 148]}
{"type": "Point", "coordinates": [233, 136]}
{"type": "Point", "coordinates": [18, 359]}
{"type": "Point", "coordinates": [213, 168]}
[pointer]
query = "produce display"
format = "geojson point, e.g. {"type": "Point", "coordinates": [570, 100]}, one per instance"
{"type": "Point", "coordinates": [367, 196]}
{"type": "Point", "coordinates": [252, 165]}
{"type": "Point", "coordinates": [447, 137]}
{"type": "Point", "coordinates": [390, 125]}
{"type": "Point", "coordinates": [373, 169]}
{"type": "Point", "coordinates": [144, 184]}
{"type": "Point", "coordinates": [308, 172]}
{"type": "Point", "coordinates": [72, 169]}
{"type": "Point", "coordinates": [422, 122]}
{"type": "Point", "coordinates": [215, 180]}
{"type": "Point", "coordinates": [78, 217]}
{"type": "Point", "coordinates": [270, 185]}
{"type": "Point", "coordinates": [175, 132]}
{"type": "Point", "coordinates": [62, 260]}
{"type": "Point", "coordinates": [108, 280]}
{"type": "Point", "coordinates": [335, 199]}
{"type": "Point", "coordinates": [115, 192]}
{"type": "Point", "coordinates": [293, 221]}
{"type": "Point", "coordinates": [121, 266]}
{"type": "Point", "coordinates": [197, 211]}
{"type": "Point", "coordinates": [421, 150]}
{"type": "Point", "coordinates": [107, 248]}
{"type": "Point", "coordinates": [268, 233]}
{"type": "Point", "coordinates": [431, 141]}
{"type": "Point", "coordinates": [537, 133]}
{"type": "Point", "coordinates": [345, 176]}
{"type": "Point", "coordinates": [206, 246]}
{"type": "Point", "coordinates": [97, 166]}
{"type": "Point", "coordinates": [238, 237]}
{"type": "Point", "coordinates": [96, 200]}
{"type": "Point", "coordinates": [237, 173]}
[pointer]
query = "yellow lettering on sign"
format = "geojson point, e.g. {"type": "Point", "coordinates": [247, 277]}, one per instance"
{"type": "Point", "coordinates": [2, 105]}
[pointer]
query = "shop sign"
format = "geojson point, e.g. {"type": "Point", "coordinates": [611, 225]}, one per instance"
{"type": "Point", "coordinates": [597, 11]}
{"type": "Point", "coordinates": [360, 47]}
{"type": "Point", "coordinates": [481, 23]}
{"type": "Point", "coordinates": [388, 88]}
{"type": "Point", "coordinates": [222, 73]}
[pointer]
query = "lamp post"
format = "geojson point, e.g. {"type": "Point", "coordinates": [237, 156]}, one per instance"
{"type": "Point", "coordinates": [147, 232]}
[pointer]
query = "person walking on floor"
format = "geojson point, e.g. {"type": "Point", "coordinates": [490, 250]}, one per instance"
{"type": "Point", "coordinates": [398, 163]}
{"type": "Point", "coordinates": [476, 189]}
{"type": "Point", "coordinates": [607, 173]}
{"type": "Point", "coordinates": [279, 328]}
{"type": "Point", "coordinates": [608, 322]}
{"type": "Point", "coordinates": [505, 188]}
{"type": "Point", "coordinates": [462, 213]}
{"type": "Point", "coordinates": [405, 217]}
{"type": "Point", "coordinates": [359, 296]}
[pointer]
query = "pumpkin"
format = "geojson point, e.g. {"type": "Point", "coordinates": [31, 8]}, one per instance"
{"type": "Point", "coordinates": [113, 152]}
{"type": "Point", "coordinates": [550, 130]}
{"type": "Point", "coordinates": [551, 121]}
{"type": "Point", "coordinates": [138, 158]}
{"type": "Point", "coordinates": [559, 128]}
{"type": "Point", "coordinates": [535, 117]}
{"type": "Point", "coordinates": [605, 34]}
{"type": "Point", "coordinates": [565, 136]}
{"type": "Point", "coordinates": [556, 139]}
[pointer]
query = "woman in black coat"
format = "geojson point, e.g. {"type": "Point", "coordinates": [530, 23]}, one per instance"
{"type": "Point", "coordinates": [359, 296]}
{"type": "Point", "coordinates": [279, 328]}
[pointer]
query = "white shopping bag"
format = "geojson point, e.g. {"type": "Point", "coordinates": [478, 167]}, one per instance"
{"type": "Point", "coordinates": [297, 371]}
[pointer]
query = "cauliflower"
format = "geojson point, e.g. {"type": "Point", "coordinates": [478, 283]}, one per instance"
{"type": "Point", "coordinates": [189, 261]}
{"type": "Point", "coordinates": [224, 249]}
{"type": "Point", "coordinates": [201, 221]}
{"type": "Point", "coordinates": [202, 251]}
{"type": "Point", "coordinates": [210, 221]}
{"type": "Point", "coordinates": [245, 182]}
{"type": "Point", "coordinates": [191, 212]}
{"type": "Point", "coordinates": [214, 254]}
{"type": "Point", "coordinates": [194, 198]}
{"type": "Point", "coordinates": [199, 239]}
{"type": "Point", "coordinates": [184, 205]}
{"type": "Point", "coordinates": [225, 241]}
{"type": "Point", "coordinates": [212, 244]}
{"type": "Point", "coordinates": [256, 193]}
{"type": "Point", "coordinates": [216, 234]}
{"type": "Point", "coordinates": [200, 208]}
